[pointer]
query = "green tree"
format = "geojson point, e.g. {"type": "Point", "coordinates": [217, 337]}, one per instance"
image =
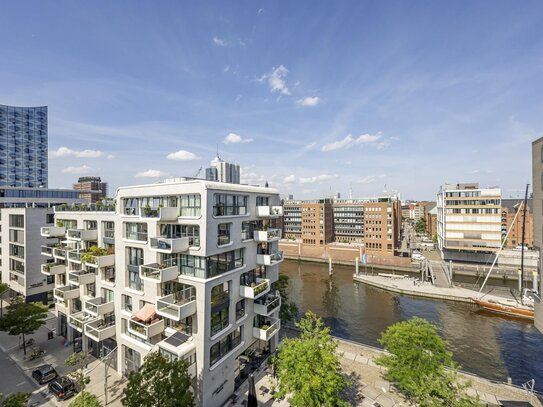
{"type": "Point", "coordinates": [420, 366]}
{"type": "Point", "coordinates": [308, 367]}
{"type": "Point", "coordinates": [159, 383]}
{"type": "Point", "coordinates": [420, 226]}
{"type": "Point", "coordinates": [16, 400]}
{"type": "Point", "coordinates": [4, 287]}
{"type": "Point", "coordinates": [434, 239]}
{"type": "Point", "coordinates": [85, 399]}
{"type": "Point", "coordinates": [289, 310]}
{"type": "Point", "coordinates": [79, 361]}
{"type": "Point", "coordinates": [23, 319]}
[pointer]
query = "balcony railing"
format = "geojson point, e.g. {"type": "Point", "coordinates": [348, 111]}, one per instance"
{"type": "Point", "coordinates": [161, 214]}
{"type": "Point", "coordinates": [79, 319]}
{"type": "Point", "coordinates": [255, 290]}
{"type": "Point", "coordinates": [265, 330]}
{"type": "Point", "coordinates": [60, 252]}
{"type": "Point", "coordinates": [51, 269]}
{"type": "Point", "coordinates": [75, 256]}
{"type": "Point", "coordinates": [158, 273]}
{"type": "Point", "coordinates": [85, 208]}
{"type": "Point", "coordinates": [269, 259]}
{"type": "Point", "coordinates": [146, 330]}
{"type": "Point", "coordinates": [167, 245]}
{"type": "Point", "coordinates": [99, 329]}
{"type": "Point", "coordinates": [98, 261]}
{"type": "Point", "coordinates": [270, 235]}
{"type": "Point", "coordinates": [82, 234]}
{"type": "Point", "coordinates": [53, 231]}
{"type": "Point", "coordinates": [269, 211]}
{"type": "Point", "coordinates": [99, 306]}
{"type": "Point", "coordinates": [266, 306]}
{"type": "Point", "coordinates": [81, 277]}
{"type": "Point", "coordinates": [179, 305]}
{"type": "Point", "coordinates": [47, 250]}
{"type": "Point", "coordinates": [66, 292]}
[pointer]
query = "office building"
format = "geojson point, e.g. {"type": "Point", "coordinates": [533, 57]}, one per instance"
{"type": "Point", "coordinates": [468, 222]}
{"type": "Point", "coordinates": [510, 207]}
{"type": "Point", "coordinates": [222, 171]}
{"type": "Point", "coordinates": [92, 189]}
{"type": "Point", "coordinates": [23, 146]}
{"type": "Point", "coordinates": [537, 211]}
{"type": "Point", "coordinates": [183, 267]}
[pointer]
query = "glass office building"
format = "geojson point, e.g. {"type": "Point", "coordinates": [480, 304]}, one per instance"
{"type": "Point", "coordinates": [23, 146]}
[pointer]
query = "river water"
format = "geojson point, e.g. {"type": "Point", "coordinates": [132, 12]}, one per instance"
{"type": "Point", "coordinates": [486, 344]}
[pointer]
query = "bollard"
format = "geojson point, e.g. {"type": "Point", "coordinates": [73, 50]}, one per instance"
{"type": "Point", "coordinates": [356, 265]}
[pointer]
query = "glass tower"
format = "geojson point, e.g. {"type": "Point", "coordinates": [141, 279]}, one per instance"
{"type": "Point", "coordinates": [23, 146]}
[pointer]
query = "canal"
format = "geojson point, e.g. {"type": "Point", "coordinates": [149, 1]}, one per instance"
{"type": "Point", "coordinates": [488, 345]}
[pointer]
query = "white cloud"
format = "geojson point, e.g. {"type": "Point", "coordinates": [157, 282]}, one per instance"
{"type": "Point", "coordinates": [110, 157]}
{"type": "Point", "coordinates": [260, 11]}
{"type": "Point", "coordinates": [289, 179]}
{"type": "Point", "coordinates": [68, 152]}
{"type": "Point", "coordinates": [368, 179]}
{"type": "Point", "coordinates": [226, 68]}
{"type": "Point", "coordinates": [233, 138]}
{"type": "Point", "coordinates": [83, 169]}
{"type": "Point", "coordinates": [276, 80]}
{"type": "Point", "coordinates": [220, 42]}
{"type": "Point", "coordinates": [182, 155]}
{"type": "Point", "coordinates": [350, 141]}
{"type": "Point", "coordinates": [311, 146]}
{"type": "Point", "coordinates": [309, 101]}
{"type": "Point", "coordinates": [151, 174]}
{"type": "Point", "coordinates": [317, 178]}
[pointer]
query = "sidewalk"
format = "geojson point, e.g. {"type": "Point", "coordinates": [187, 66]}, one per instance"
{"type": "Point", "coordinates": [56, 352]}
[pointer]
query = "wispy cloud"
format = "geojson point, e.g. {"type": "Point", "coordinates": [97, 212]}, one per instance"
{"type": "Point", "coordinates": [317, 178]}
{"type": "Point", "coordinates": [83, 169]}
{"type": "Point", "coordinates": [289, 179]}
{"type": "Point", "coordinates": [309, 101]}
{"type": "Point", "coordinates": [350, 141]}
{"type": "Point", "coordinates": [276, 80]}
{"type": "Point", "coordinates": [151, 174]}
{"type": "Point", "coordinates": [68, 152]}
{"type": "Point", "coordinates": [233, 138]}
{"type": "Point", "coordinates": [226, 68]}
{"type": "Point", "coordinates": [368, 179]}
{"type": "Point", "coordinates": [182, 155]}
{"type": "Point", "coordinates": [311, 146]}
{"type": "Point", "coordinates": [220, 42]}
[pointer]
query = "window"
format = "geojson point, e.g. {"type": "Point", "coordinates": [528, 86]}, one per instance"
{"type": "Point", "coordinates": [248, 230]}
{"type": "Point", "coordinates": [230, 205]}
{"type": "Point", "coordinates": [262, 201]}
{"type": "Point", "coordinates": [219, 320]}
{"type": "Point", "coordinates": [224, 262]}
{"type": "Point", "coordinates": [17, 221]}
{"type": "Point", "coordinates": [126, 302]}
{"type": "Point", "coordinates": [91, 225]}
{"type": "Point", "coordinates": [225, 346]}
{"type": "Point", "coordinates": [17, 236]}
{"type": "Point", "coordinates": [136, 231]}
{"type": "Point", "coordinates": [17, 251]}
{"type": "Point", "coordinates": [106, 295]}
{"type": "Point", "coordinates": [49, 218]}
{"type": "Point", "coordinates": [190, 205]}
{"type": "Point", "coordinates": [189, 265]}
{"type": "Point", "coordinates": [68, 223]}
{"type": "Point", "coordinates": [240, 309]}
{"type": "Point", "coordinates": [223, 234]}
{"type": "Point", "coordinates": [134, 260]}
{"type": "Point", "coordinates": [108, 229]}
{"type": "Point", "coordinates": [173, 231]}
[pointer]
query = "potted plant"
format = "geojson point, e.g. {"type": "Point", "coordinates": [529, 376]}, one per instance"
{"type": "Point", "coordinates": [147, 210]}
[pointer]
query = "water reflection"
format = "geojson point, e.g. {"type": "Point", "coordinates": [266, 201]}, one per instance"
{"type": "Point", "coordinates": [489, 345]}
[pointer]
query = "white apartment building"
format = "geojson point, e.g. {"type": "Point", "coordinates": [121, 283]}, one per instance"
{"type": "Point", "coordinates": [468, 222]}
{"type": "Point", "coordinates": [185, 267]}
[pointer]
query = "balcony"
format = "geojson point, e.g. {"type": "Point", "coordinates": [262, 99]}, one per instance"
{"type": "Point", "coordinates": [160, 214]}
{"type": "Point", "coordinates": [255, 290]}
{"type": "Point", "coordinates": [78, 320]}
{"type": "Point", "coordinates": [179, 305]}
{"type": "Point", "coordinates": [99, 306]}
{"type": "Point", "coordinates": [81, 277]}
{"type": "Point", "coordinates": [182, 345]}
{"type": "Point", "coordinates": [166, 245]}
{"type": "Point", "coordinates": [265, 328]}
{"type": "Point", "coordinates": [270, 235]}
{"type": "Point", "coordinates": [145, 330]}
{"type": "Point", "coordinates": [60, 252]}
{"type": "Point", "coordinates": [53, 231]}
{"type": "Point", "coordinates": [82, 235]}
{"type": "Point", "coordinates": [98, 261]}
{"type": "Point", "coordinates": [99, 329]}
{"type": "Point", "coordinates": [269, 211]}
{"type": "Point", "coordinates": [158, 273]}
{"type": "Point", "coordinates": [266, 306]}
{"type": "Point", "coordinates": [47, 250]}
{"type": "Point", "coordinates": [52, 269]}
{"type": "Point", "coordinates": [67, 292]}
{"type": "Point", "coordinates": [74, 256]}
{"type": "Point", "coordinates": [269, 259]}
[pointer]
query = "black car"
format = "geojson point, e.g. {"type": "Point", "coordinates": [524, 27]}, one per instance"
{"type": "Point", "coordinates": [44, 374]}
{"type": "Point", "coordinates": [63, 388]}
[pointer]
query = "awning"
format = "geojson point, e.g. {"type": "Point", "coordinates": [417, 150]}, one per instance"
{"type": "Point", "coordinates": [147, 313]}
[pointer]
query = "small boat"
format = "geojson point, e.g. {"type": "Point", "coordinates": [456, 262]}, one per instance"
{"type": "Point", "coordinates": [506, 307]}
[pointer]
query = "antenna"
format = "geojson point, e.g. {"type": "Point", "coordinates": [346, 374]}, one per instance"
{"type": "Point", "coordinates": [350, 190]}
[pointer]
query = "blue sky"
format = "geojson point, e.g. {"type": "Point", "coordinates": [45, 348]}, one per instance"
{"type": "Point", "coordinates": [315, 97]}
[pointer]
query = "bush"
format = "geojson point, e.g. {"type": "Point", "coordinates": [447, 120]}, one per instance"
{"type": "Point", "coordinates": [85, 399]}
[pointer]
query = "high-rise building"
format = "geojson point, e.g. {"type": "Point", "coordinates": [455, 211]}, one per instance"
{"type": "Point", "coordinates": [468, 222]}
{"type": "Point", "coordinates": [222, 171]}
{"type": "Point", "coordinates": [185, 267]}
{"type": "Point", "coordinates": [92, 189]}
{"type": "Point", "coordinates": [537, 211]}
{"type": "Point", "coordinates": [23, 146]}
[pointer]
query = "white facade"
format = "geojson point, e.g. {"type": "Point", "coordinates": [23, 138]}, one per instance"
{"type": "Point", "coordinates": [197, 257]}
{"type": "Point", "coordinates": [468, 222]}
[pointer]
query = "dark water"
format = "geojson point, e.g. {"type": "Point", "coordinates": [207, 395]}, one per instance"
{"type": "Point", "coordinates": [491, 346]}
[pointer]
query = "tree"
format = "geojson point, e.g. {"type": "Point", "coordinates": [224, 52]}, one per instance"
{"type": "Point", "coordinates": [85, 399]}
{"type": "Point", "coordinates": [23, 319]}
{"type": "Point", "coordinates": [79, 362]}
{"type": "Point", "coordinates": [420, 366]}
{"type": "Point", "coordinates": [420, 226]}
{"type": "Point", "coordinates": [159, 383]}
{"type": "Point", "coordinates": [308, 367]}
{"type": "Point", "coordinates": [289, 310]}
{"type": "Point", "coordinates": [16, 400]}
{"type": "Point", "coordinates": [4, 287]}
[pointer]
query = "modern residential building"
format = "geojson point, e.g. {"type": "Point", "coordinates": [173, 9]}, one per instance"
{"type": "Point", "coordinates": [537, 211]}
{"type": "Point", "coordinates": [510, 207]}
{"type": "Point", "coordinates": [23, 146]}
{"type": "Point", "coordinates": [222, 171]}
{"type": "Point", "coordinates": [416, 211]}
{"type": "Point", "coordinates": [185, 267]}
{"type": "Point", "coordinates": [92, 189]}
{"type": "Point", "coordinates": [468, 222]}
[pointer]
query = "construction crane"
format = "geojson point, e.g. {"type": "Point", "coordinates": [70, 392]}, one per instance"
{"type": "Point", "coordinates": [198, 172]}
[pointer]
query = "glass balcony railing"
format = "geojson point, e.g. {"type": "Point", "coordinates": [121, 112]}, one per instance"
{"type": "Point", "coordinates": [146, 330]}
{"type": "Point", "coordinates": [265, 329]}
{"type": "Point", "coordinates": [269, 235]}
{"type": "Point", "coordinates": [256, 289]}
{"type": "Point", "coordinates": [179, 305]}
{"type": "Point", "coordinates": [269, 211]}
{"type": "Point", "coordinates": [267, 305]}
{"type": "Point", "coordinates": [169, 245]}
{"type": "Point", "coordinates": [99, 306]}
{"type": "Point", "coordinates": [100, 330]}
{"type": "Point", "coordinates": [158, 273]}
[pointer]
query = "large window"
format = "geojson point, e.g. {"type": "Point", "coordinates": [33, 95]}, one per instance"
{"type": "Point", "coordinates": [67, 223]}
{"type": "Point", "coordinates": [136, 231]}
{"type": "Point", "coordinates": [224, 262]}
{"type": "Point", "coordinates": [174, 231]}
{"type": "Point", "coordinates": [190, 205]}
{"type": "Point", "coordinates": [90, 224]}
{"type": "Point", "coordinates": [17, 251]}
{"type": "Point", "coordinates": [219, 320]}
{"type": "Point", "coordinates": [134, 260]}
{"type": "Point", "coordinates": [248, 230]}
{"type": "Point", "coordinates": [17, 221]}
{"type": "Point", "coordinates": [17, 236]}
{"type": "Point", "coordinates": [225, 345]}
{"type": "Point", "coordinates": [223, 234]}
{"type": "Point", "coordinates": [108, 229]}
{"type": "Point", "coordinates": [189, 265]}
{"type": "Point", "coordinates": [229, 205]}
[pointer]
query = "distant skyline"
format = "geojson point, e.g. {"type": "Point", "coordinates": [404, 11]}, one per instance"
{"type": "Point", "coordinates": [315, 97]}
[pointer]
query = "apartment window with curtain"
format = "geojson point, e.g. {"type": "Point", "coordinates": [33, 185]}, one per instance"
{"type": "Point", "coordinates": [108, 229]}
{"type": "Point", "coordinates": [136, 231]}
{"type": "Point", "coordinates": [17, 221]}
{"type": "Point", "coordinates": [229, 205]}
{"type": "Point", "coordinates": [190, 205]}
{"type": "Point", "coordinates": [134, 260]}
{"type": "Point", "coordinates": [223, 234]}
{"type": "Point", "coordinates": [91, 225]}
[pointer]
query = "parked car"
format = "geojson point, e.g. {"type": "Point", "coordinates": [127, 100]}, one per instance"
{"type": "Point", "coordinates": [44, 374]}
{"type": "Point", "coordinates": [63, 388]}
{"type": "Point", "coordinates": [417, 256]}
